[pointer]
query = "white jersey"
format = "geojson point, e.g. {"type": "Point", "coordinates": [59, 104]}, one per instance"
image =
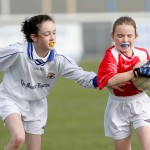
{"type": "Point", "coordinates": [30, 79]}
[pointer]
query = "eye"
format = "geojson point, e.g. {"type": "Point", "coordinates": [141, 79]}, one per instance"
{"type": "Point", "coordinates": [130, 35]}
{"type": "Point", "coordinates": [120, 35]}
{"type": "Point", "coordinates": [54, 32]}
{"type": "Point", "coordinates": [46, 34]}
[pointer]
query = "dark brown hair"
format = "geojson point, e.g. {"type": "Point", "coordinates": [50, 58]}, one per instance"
{"type": "Point", "coordinates": [32, 25]}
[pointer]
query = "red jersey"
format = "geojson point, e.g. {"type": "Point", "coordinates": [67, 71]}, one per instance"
{"type": "Point", "coordinates": [115, 62]}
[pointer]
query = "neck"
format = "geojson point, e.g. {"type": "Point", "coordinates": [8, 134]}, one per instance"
{"type": "Point", "coordinates": [40, 52]}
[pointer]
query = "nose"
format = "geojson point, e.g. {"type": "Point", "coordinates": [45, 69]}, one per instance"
{"type": "Point", "coordinates": [51, 37]}
{"type": "Point", "coordinates": [125, 39]}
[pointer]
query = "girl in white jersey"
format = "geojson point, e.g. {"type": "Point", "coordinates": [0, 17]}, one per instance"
{"type": "Point", "coordinates": [127, 106]}
{"type": "Point", "coordinates": [30, 71]}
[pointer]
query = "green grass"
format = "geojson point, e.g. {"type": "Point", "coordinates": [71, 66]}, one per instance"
{"type": "Point", "coordinates": [75, 119]}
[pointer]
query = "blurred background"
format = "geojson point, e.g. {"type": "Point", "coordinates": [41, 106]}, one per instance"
{"type": "Point", "coordinates": [83, 26]}
{"type": "Point", "coordinates": [75, 118]}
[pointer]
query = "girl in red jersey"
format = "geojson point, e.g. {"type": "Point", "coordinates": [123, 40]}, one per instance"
{"type": "Point", "coordinates": [128, 106]}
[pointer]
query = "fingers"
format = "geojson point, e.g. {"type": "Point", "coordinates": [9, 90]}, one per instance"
{"type": "Point", "coordinates": [119, 87]}
{"type": "Point", "coordinates": [147, 64]}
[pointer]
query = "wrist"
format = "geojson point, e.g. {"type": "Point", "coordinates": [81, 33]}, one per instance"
{"type": "Point", "coordinates": [136, 72]}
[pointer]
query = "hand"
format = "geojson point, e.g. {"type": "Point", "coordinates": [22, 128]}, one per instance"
{"type": "Point", "coordinates": [143, 71]}
{"type": "Point", "coordinates": [147, 64]}
{"type": "Point", "coordinates": [119, 86]}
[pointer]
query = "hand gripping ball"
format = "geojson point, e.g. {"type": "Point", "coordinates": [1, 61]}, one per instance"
{"type": "Point", "coordinates": [141, 83]}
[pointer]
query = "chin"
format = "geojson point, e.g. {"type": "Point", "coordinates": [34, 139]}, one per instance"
{"type": "Point", "coordinates": [51, 48]}
{"type": "Point", "coordinates": [124, 50]}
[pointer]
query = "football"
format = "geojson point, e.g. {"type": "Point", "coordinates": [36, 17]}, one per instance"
{"type": "Point", "coordinates": [142, 83]}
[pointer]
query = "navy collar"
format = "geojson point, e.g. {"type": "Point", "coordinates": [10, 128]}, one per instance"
{"type": "Point", "coordinates": [38, 61]}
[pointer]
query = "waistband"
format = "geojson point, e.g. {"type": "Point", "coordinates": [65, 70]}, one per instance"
{"type": "Point", "coordinates": [129, 98]}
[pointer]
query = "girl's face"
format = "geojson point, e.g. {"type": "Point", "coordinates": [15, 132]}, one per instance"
{"type": "Point", "coordinates": [124, 34]}
{"type": "Point", "coordinates": [46, 35]}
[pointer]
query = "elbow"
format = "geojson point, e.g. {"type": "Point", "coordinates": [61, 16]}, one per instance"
{"type": "Point", "coordinates": [110, 83]}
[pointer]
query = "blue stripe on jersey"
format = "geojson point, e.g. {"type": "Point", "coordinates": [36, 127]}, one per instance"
{"type": "Point", "coordinates": [11, 54]}
{"type": "Point", "coordinates": [64, 57]}
{"type": "Point", "coordinates": [51, 56]}
{"type": "Point", "coordinates": [30, 50]}
{"type": "Point", "coordinates": [38, 61]}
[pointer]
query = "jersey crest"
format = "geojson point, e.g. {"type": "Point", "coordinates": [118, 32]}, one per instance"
{"type": "Point", "coordinates": [51, 75]}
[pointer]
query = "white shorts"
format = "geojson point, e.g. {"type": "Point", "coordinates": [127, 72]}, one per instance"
{"type": "Point", "coordinates": [33, 113]}
{"type": "Point", "coordinates": [122, 112]}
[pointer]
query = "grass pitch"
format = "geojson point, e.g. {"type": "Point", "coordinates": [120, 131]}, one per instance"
{"type": "Point", "coordinates": [75, 119]}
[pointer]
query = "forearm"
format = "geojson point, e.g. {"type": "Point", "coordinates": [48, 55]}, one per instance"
{"type": "Point", "coordinates": [120, 78]}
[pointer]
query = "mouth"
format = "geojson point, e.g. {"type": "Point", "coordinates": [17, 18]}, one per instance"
{"type": "Point", "coordinates": [52, 44]}
{"type": "Point", "coordinates": [125, 45]}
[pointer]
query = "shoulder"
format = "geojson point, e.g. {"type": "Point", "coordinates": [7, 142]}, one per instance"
{"type": "Point", "coordinates": [63, 57]}
{"type": "Point", "coordinates": [139, 50]}
{"type": "Point", "coordinates": [142, 53]}
{"type": "Point", "coordinates": [11, 50]}
{"type": "Point", "coordinates": [17, 47]}
{"type": "Point", "coordinates": [111, 53]}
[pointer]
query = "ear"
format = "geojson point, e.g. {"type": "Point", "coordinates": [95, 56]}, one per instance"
{"type": "Point", "coordinates": [33, 37]}
{"type": "Point", "coordinates": [112, 36]}
{"type": "Point", "coordinates": [136, 36]}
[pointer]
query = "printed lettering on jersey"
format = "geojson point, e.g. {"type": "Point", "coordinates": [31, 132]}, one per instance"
{"type": "Point", "coordinates": [126, 66]}
{"type": "Point", "coordinates": [148, 120]}
{"type": "Point", "coordinates": [38, 68]}
{"type": "Point", "coordinates": [36, 86]}
{"type": "Point", "coordinates": [51, 75]}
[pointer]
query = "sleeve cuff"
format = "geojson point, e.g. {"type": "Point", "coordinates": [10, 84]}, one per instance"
{"type": "Point", "coordinates": [95, 83]}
